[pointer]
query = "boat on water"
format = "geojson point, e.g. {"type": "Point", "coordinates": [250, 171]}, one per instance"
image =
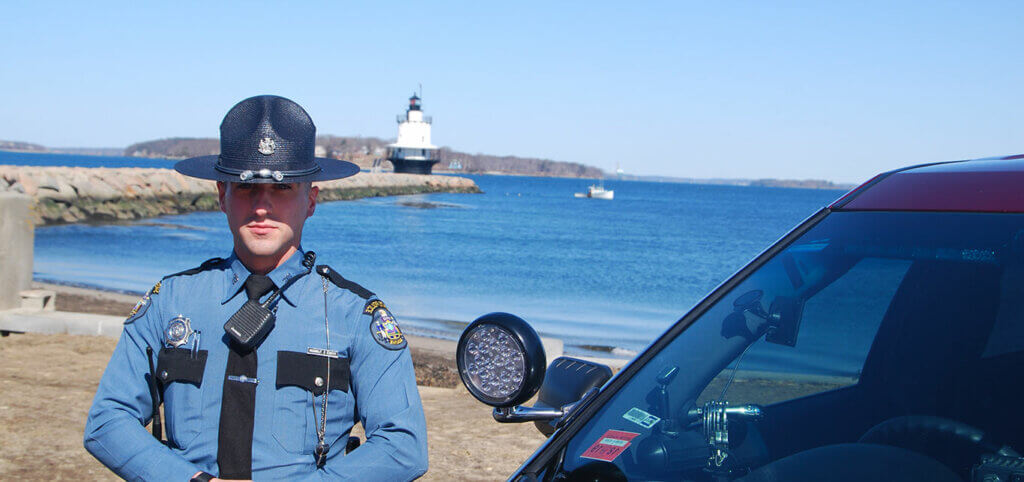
{"type": "Point", "coordinates": [597, 192]}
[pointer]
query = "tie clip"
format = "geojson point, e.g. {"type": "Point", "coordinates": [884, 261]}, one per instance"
{"type": "Point", "coordinates": [322, 352]}
{"type": "Point", "coordinates": [243, 379]}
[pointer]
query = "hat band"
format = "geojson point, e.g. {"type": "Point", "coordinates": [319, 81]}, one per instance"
{"type": "Point", "coordinates": [248, 174]}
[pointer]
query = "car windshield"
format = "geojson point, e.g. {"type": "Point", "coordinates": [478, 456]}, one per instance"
{"type": "Point", "coordinates": [866, 322]}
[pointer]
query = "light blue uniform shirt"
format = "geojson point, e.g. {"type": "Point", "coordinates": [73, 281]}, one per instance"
{"type": "Point", "coordinates": [382, 394]}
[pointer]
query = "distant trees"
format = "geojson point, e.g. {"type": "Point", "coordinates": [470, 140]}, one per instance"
{"type": "Point", "coordinates": [173, 148]}
{"type": "Point", "coordinates": [363, 151]}
{"type": "Point", "coordinates": [21, 146]}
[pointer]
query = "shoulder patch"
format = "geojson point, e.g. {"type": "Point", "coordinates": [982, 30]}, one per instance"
{"type": "Point", "coordinates": [384, 328]}
{"type": "Point", "coordinates": [373, 305]}
{"type": "Point", "coordinates": [343, 283]}
{"type": "Point", "coordinates": [207, 265]}
{"type": "Point", "coordinates": [143, 304]}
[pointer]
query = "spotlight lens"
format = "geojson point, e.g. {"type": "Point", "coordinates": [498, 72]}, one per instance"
{"type": "Point", "coordinates": [494, 361]}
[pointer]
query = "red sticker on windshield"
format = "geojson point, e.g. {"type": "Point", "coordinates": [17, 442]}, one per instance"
{"type": "Point", "coordinates": [609, 446]}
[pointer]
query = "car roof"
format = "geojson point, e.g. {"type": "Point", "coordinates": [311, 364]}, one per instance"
{"type": "Point", "coordinates": [994, 184]}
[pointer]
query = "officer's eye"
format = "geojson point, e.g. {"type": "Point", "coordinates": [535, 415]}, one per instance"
{"type": "Point", "coordinates": [245, 186]}
{"type": "Point", "coordinates": [283, 187]}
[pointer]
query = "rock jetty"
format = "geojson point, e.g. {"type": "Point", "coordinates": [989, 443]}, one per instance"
{"type": "Point", "coordinates": [79, 194]}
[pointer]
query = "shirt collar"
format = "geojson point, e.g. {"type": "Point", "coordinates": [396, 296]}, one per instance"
{"type": "Point", "coordinates": [281, 275]}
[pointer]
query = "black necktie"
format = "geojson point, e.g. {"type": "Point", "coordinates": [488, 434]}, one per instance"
{"type": "Point", "coordinates": [238, 404]}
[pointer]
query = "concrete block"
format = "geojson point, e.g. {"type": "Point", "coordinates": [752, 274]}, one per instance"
{"type": "Point", "coordinates": [24, 322]}
{"type": "Point", "coordinates": [553, 348]}
{"type": "Point", "coordinates": [39, 300]}
{"type": "Point", "coordinates": [16, 238]}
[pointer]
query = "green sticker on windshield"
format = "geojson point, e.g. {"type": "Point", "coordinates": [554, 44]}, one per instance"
{"type": "Point", "coordinates": [641, 418]}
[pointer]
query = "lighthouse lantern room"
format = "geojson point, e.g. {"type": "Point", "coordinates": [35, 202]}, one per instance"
{"type": "Point", "coordinates": [412, 152]}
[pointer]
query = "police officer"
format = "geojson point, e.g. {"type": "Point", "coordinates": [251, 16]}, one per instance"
{"type": "Point", "coordinates": [264, 359]}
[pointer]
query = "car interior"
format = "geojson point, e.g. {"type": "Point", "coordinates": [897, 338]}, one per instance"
{"type": "Point", "coordinates": [934, 383]}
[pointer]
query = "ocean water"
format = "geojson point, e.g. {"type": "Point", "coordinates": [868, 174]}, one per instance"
{"type": "Point", "coordinates": [598, 274]}
{"type": "Point", "coordinates": [74, 160]}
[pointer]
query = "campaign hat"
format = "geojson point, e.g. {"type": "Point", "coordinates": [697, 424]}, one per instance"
{"type": "Point", "coordinates": [266, 139]}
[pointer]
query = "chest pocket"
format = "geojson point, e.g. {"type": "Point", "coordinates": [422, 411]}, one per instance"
{"type": "Point", "coordinates": [300, 376]}
{"type": "Point", "coordinates": [181, 376]}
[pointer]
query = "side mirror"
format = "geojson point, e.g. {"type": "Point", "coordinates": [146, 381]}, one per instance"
{"type": "Point", "coordinates": [501, 360]}
{"type": "Point", "coordinates": [567, 381]}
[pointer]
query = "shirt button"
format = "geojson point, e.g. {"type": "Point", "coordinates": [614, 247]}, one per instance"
{"type": "Point", "coordinates": [163, 374]}
{"type": "Point", "coordinates": [318, 381]}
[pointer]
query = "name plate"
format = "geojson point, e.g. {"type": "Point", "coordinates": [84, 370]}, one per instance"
{"type": "Point", "coordinates": [322, 352]}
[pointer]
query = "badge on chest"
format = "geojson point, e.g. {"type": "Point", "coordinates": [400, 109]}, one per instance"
{"type": "Point", "coordinates": [178, 331]}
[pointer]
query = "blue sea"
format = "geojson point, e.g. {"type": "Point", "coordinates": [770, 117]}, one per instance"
{"type": "Point", "coordinates": [605, 275]}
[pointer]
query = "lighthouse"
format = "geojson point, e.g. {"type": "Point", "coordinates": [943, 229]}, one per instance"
{"type": "Point", "coordinates": [412, 152]}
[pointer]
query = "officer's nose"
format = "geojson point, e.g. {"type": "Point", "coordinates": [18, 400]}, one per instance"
{"type": "Point", "coordinates": [262, 203]}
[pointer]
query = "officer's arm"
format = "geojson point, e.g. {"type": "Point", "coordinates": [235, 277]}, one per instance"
{"type": "Point", "coordinates": [115, 431]}
{"type": "Point", "coordinates": [390, 410]}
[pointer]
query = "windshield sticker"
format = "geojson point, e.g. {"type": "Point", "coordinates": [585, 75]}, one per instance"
{"type": "Point", "coordinates": [641, 418]}
{"type": "Point", "coordinates": [609, 446]}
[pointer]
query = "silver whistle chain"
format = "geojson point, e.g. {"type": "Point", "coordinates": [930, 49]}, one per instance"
{"type": "Point", "coordinates": [321, 430]}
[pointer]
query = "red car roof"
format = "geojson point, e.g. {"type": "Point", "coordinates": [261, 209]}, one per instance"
{"type": "Point", "coordinates": [981, 185]}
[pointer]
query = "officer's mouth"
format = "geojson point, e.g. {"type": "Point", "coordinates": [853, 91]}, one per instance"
{"type": "Point", "coordinates": [261, 229]}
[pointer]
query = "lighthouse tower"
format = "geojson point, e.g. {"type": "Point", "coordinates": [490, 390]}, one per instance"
{"type": "Point", "coordinates": [412, 152]}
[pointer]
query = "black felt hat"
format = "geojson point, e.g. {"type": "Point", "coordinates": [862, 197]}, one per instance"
{"type": "Point", "coordinates": [266, 139]}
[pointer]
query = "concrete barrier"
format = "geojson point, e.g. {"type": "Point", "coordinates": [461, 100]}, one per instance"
{"type": "Point", "coordinates": [16, 238]}
{"type": "Point", "coordinates": [99, 194]}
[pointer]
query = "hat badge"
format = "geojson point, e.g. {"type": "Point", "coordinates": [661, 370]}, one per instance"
{"type": "Point", "coordinates": [266, 146]}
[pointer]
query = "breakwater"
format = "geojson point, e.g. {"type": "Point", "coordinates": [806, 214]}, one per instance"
{"type": "Point", "coordinates": [79, 194]}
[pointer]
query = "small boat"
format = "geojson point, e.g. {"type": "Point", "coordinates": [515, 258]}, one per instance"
{"type": "Point", "coordinates": [596, 192]}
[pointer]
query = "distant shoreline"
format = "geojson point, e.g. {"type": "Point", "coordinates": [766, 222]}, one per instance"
{"type": "Point", "coordinates": [766, 182]}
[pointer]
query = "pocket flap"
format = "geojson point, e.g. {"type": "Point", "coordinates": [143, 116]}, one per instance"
{"type": "Point", "coordinates": [178, 365]}
{"type": "Point", "coordinates": [310, 371]}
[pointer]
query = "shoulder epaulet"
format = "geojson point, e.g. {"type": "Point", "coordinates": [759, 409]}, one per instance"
{"type": "Point", "coordinates": [208, 264]}
{"type": "Point", "coordinates": [343, 283]}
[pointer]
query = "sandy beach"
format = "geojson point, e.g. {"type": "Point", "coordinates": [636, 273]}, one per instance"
{"type": "Point", "coordinates": [47, 383]}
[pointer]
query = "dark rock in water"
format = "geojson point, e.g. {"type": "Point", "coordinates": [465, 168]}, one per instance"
{"type": "Point", "coordinates": [426, 205]}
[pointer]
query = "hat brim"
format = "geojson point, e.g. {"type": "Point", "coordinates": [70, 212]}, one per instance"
{"type": "Point", "coordinates": [202, 167]}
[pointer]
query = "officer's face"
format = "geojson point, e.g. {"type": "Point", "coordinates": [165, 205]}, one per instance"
{"type": "Point", "coordinates": [266, 219]}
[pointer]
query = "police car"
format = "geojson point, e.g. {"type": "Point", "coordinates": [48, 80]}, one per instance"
{"type": "Point", "coordinates": [881, 339]}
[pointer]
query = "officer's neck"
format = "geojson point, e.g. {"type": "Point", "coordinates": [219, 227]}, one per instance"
{"type": "Point", "coordinates": [266, 263]}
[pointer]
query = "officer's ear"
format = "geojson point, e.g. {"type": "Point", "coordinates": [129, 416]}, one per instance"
{"type": "Point", "coordinates": [313, 191]}
{"type": "Point", "coordinates": [222, 189]}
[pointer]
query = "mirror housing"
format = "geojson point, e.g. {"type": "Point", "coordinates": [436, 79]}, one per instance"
{"type": "Point", "coordinates": [784, 319]}
{"type": "Point", "coordinates": [567, 380]}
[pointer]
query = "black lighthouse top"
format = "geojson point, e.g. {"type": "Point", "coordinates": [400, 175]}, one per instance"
{"type": "Point", "coordinates": [414, 102]}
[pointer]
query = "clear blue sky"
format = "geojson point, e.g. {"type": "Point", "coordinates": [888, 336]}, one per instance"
{"type": "Point", "coordinates": [711, 89]}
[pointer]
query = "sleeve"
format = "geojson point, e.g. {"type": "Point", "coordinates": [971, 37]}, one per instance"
{"type": "Point", "coordinates": [389, 406]}
{"type": "Point", "coordinates": [115, 431]}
